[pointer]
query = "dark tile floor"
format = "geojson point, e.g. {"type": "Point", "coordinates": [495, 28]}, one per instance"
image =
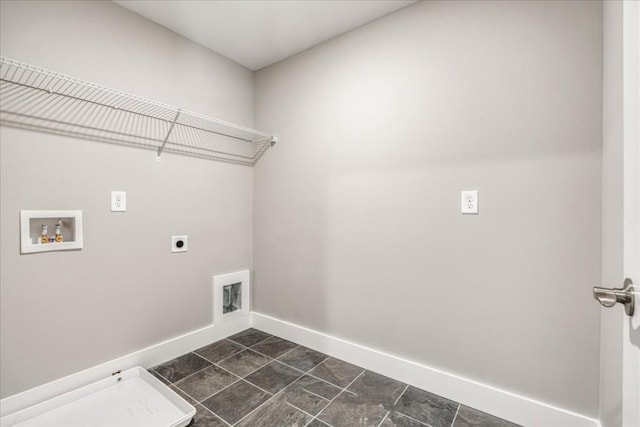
{"type": "Point", "coordinates": [259, 380]}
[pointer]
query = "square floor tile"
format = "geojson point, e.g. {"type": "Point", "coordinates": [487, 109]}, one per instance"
{"type": "Point", "coordinates": [249, 337]}
{"type": "Point", "coordinates": [310, 394]}
{"type": "Point", "coordinates": [303, 358]}
{"type": "Point", "coordinates": [377, 389]}
{"type": "Point", "coordinates": [205, 418]}
{"type": "Point", "coordinates": [274, 347]}
{"type": "Point", "coordinates": [244, 363]}
{"type": "Point", "coordinates": [178, 368]}
{"type": "Point", "coordinates": [427, 407]}
{"type": "Point", "coordinates": [396, 419]}
{"type": "Point", "coordinates": [468, 417]}
{"type": "Point", "coordinates": [273, 377]}
{"type": "Point", "coordinates": [206, 382]}
{"type": "Point", "coordinates": [276, 412]}
{"type": "Point", "coordinates": [349, 410]}
{"type": "Point", "coordinates": [236, 401]}
{"type": "Point", "coordinates": [336, 372]}
{"type": "Point", "coordinates": [219, 350]}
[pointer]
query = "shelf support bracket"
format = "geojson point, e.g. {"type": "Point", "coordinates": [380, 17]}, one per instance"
{"type": "Point", "coordinates": [166, 138]}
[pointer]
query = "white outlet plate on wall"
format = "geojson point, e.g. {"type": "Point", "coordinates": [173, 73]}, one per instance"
{"type": "Point", "coordinates": [118, 201]}
{"type": "Point", "coordinates": [179, 243]}
{"type": "Point", "coordinates": [469, 202]}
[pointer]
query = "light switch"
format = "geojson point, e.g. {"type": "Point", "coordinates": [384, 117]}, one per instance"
{"type": "Point", "coordinates": [118, 201]}
{"type": "Point", "coordinates": [469, 202]}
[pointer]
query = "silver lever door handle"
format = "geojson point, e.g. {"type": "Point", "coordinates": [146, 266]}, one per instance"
{"type": "Point", "coordinates": [609, 297]}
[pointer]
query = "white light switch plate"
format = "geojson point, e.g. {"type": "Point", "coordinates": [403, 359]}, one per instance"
{"type": "Point", "coordinates": [118, 201]}
{"type": "Point", "coordinates": [469, 202]}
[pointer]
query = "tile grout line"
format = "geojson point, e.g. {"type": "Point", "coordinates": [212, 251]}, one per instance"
{"type": "Point", "coordinates": [401, 394]}
{"type": "Point", "coordinates": [456, 415]}
{"type": "Point", "coordinates": [259, 342]}
{"type": "Point", "coordinates": [303, 374]}
{"type": "Point", "coordinates": [274, 358]}
{"type": "Point", "coordinates": [229, 357]}
{"type": "Point", "coordinates": [211, 361]}
{"type": "Point", "coordinates": [406, 387]}
{"type": "Point", "coordinates": [216, 415]}
{"type": "Point", "coordinates": [260, 388]}
{"type": "Point", "coordinates": [315, 394]}
{"type": "Point", "coordinates": [287, 352]}
{"type": "Point", "coordinates": [342, 389]}
{"type": "Point", "coordinates": [293, 367]}
{"type": "Point", "coordinates": [239, 378]}
{"type": "Point", "coordinates": [394, 404]}
{"type": "Point", "coordinates": [266, 355]}
{"type": "Point", "coordinates": [271, 398]}
{"type": "Point", "coordinates": [199, 370]}
{"type": "Point", "coordinates": [298, 409]}
{"type": "Point", "coordinates": [308, 372]}
{"type": "Point", "coordinates": [270, 360]}
{"type": "Point", "coordinates": [244, 376]}
{"type": "Point", "coordinates": [336, 396]}
{"type": "Point", "coordinates": [385, 417]}
{"type": "Point", "coordinates": [193, 373]}
{"type": "Point", "coordinates": [229, 385]}
{"type": "Point", "coordinates": [413, 419]}
{"type": "Point", "coordinates": [224, 388]}
{"type": "Point", "coordinates": [219, 391]}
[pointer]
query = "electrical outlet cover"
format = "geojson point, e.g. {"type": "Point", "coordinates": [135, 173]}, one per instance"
{"type": "Point", "coordinates": [118, 201]}
{"type": "Point", "coordinates": [469, 202]}
{"type": "Point", "coordinates": [179, 243]}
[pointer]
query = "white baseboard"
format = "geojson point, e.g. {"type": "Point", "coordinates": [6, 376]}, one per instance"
{"type": "Point", "coordinates": [145, 358]}
{"type": "Point", "coordinates": [504, 404]}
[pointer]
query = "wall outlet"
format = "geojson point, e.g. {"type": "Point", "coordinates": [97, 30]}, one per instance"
{"type": "Point", "coordinates": [118, 201]}
{"type": "Point", "coordinates": [179, 243]}
{"type": "Point", "coordinates": [469, 202]}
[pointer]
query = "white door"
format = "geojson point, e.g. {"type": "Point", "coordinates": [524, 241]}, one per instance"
{"type": "Point", "coordinates": [631, 129]}
{"type": "Point", "coordinates": [620, 333]}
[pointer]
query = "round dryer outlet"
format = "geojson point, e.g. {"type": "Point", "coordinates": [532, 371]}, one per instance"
{"type": "Point", "coordinates": [179, 243]}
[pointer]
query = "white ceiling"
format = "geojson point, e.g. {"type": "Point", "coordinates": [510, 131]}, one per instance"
{"type": "Point", "coordinates": [259, 33]}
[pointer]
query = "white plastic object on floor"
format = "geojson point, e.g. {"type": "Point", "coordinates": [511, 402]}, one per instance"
{"type": "Point", "coordinates": [133, 398]}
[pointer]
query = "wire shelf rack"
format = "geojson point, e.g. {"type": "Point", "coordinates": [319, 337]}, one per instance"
{"type": "Point", "coordinates": [41, 100]}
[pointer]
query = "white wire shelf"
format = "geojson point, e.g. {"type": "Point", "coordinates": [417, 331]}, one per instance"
{"type": "Point", "coordinates": [41, 100]}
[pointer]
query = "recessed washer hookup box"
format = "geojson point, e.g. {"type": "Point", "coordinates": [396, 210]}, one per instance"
{"type": "Point", "coordinates": [133, 398]}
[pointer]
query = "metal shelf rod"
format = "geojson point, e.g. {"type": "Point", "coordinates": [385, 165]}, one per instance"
{"type": "Point", "coordinates": [166, 138]}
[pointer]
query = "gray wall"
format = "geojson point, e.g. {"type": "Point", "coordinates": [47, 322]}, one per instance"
{"type": "Point", "coordinates": [357, 225]}
{"type": "Point", "coordinates": [65, 311]}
